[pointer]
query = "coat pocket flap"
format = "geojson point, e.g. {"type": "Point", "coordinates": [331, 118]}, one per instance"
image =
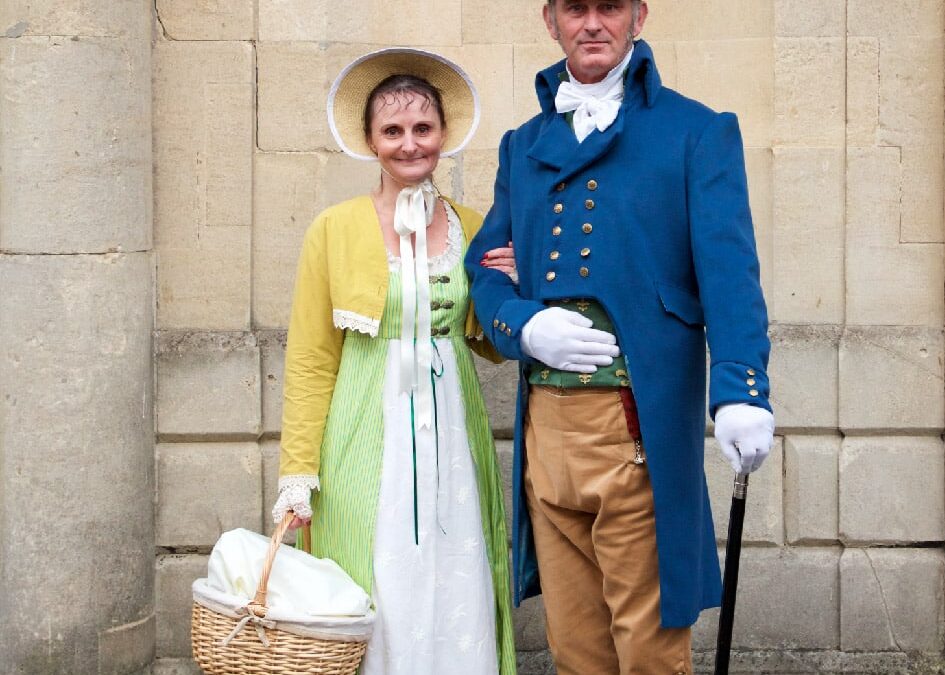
{"type": "Point", "coordinates": [681, 304]}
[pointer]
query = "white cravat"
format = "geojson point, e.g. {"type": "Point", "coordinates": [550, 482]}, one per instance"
{"type": "Point", "coordinates": [595, 105]}
{"type": "Point", "coordinates": [413, 213]}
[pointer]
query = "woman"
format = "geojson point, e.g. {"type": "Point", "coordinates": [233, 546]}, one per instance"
{"type": "Point", "coordinates": [384, 430]}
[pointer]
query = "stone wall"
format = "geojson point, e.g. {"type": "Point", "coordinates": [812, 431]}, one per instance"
{"type": "Point", "coordinates": [841, 108]}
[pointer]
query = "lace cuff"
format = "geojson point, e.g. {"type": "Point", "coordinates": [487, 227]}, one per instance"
{"type": "Point", "coordinates": [346, 320]}
{"type": "Point", "coordinates": [302, 480]}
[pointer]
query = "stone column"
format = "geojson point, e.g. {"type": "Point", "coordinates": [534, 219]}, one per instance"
{"type": "Point", "coordinates": [76, 314]}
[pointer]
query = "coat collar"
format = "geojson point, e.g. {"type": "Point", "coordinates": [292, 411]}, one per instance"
{"type": "Point", "coordinates": [556, 145]}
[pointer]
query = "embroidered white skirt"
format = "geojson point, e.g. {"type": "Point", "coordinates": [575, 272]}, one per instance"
{"type": "Point", "coordinates": [435, 601]}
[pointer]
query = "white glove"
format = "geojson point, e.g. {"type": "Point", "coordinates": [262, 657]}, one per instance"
{"type": "Point", "coordinates": [746, 433]}
{"type": "Point", "coordinates": [565, 340]}
{"type": "Point", "coordinates": [295, 493]}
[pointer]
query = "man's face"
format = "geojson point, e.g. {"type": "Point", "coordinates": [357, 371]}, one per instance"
{"type": "Point", "coordinates": [595, 35]}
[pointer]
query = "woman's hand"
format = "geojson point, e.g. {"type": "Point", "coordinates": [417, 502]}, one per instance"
{"type": "Point", "coordinates": [502, 259]}
{"type": "Point", "coordinates": [296, 498]}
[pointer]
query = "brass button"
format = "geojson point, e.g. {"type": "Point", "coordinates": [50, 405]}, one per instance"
{"type": "Point", "coordinates": [545, 373]}
{"type": "Point", "coordinates": [585, 271]}
{"type": "Point", "coordinates": [589, 204]}
{"type": "Point", "coordinates": [495, 323]}
{"type": "Point", "coordinates": [751, 372]}
{"type": "Point", "coordinates": [585, 252]}
{"type": "Point", "coordinates": [502, 326]}
{"type": "Point", "coordinates": [508, 331]}
{"type": "Point", "coordinates": [554, 255]}
{"type": "Point", "coordinates": [620, 373]}
{"type": "Point", "coordinates": [624, 383]}
{"type": "Point", "coordinates": [559, 207]}
{"type": "Point", "coordinates": [550, 276]}
{"type": "Point", "coordinates": [447, 304]}
{"type": "Point", "coordinates": [752, 392]}
{"type": "Point", "coordinates": [561, 186]}
{"type": "Point", "coordinates": [435, 305]}
{"type": "Point", "coordinates": [556, 230]}
{"type": "Point", "coordinates": [750, 382]}
{"type": "Point", "coordinates": [587, 228]}
{"type": "Point", "coordinates": [592, 184]}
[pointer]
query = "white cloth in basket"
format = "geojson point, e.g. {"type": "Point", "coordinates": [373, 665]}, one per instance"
{"type": "Point", "coordinates": [300, 585]}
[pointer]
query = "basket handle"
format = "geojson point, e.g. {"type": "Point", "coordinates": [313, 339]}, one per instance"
{"type": "Point", "coordinates": [259, 602]}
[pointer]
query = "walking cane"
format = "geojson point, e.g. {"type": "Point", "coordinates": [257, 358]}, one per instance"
{"type": "Point", "coordinates": [733, 550]}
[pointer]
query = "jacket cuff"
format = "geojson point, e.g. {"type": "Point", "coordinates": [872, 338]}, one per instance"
{"type": "Point", "coordinates": [505, 331]}
{"type": "Point", "coordinates": [732, 382]}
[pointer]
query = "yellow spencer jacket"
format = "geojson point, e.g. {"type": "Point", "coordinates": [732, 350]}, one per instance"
{"type": "Point", "coordinates": [341, 283]}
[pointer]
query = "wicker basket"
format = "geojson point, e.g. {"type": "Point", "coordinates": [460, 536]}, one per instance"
{"type": "Point", "coordinates": [259, 647]}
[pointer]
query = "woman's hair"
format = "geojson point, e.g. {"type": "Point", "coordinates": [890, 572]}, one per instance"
{"type": "Point", "coordinates": [396, 86]}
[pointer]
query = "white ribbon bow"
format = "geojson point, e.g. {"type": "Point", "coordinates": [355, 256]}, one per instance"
{"type": "Point", "coordinates": [595, 106]}
{"type": "Point", "coordinates": [413, 213]}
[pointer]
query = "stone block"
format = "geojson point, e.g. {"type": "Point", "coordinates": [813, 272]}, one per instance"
{"type": "Point", "coordinates": [479, 169]}
{"type": "Point", "coordinates": [891, 379]}
{"type": "Point", "coordinates": [529, 59]}
{"type": "Point", "coordinates": [270, 479]}
{"type": "Point", "coordinates": [796, 18]}
{"type": "Point", "coordinates": [911, 96]}
{"type": "Point", "coordinates": [285, 192]}
{"type": "Point", "coordinates": [176, 667]}
{"type": "Point", "coordinates": [664, 51]}
{"type": "Point", "coordinates": [923, 177]}
{"type": "Point", "coordinates": [912, 18]}
{"type": "Point", "coordinates": [892, 599]}
{"type": "Point", "coordinates": [502, 22]}
{"type": "Point", "coordinates": [76, 451]}
{"type": "Point", "coordinates": [184, 20]}
{"type": "Point", "coordinates": [293, 21]}
{"type": "Point", "coordinates": [205, 489]}
{"type": "Point", "coordinates": [764, 521]}
{"type": "Point", "coordinates": [887, 280]}
{"type": "Point", "coordinates": [500, 389]}
{"type": "Point", "coordinates": [788, 598]}
{"type": "Point", "coordinates": [862, 91]}
{"type": "Point", "coordinates": [90, 18]}
{"type": "Point", "coordinates": [505, 452]}
{"type": "Point", "coordinates": [416, 23]}
{"type": "Point", "coordinates": [208, 385]}
{"type": "Point", "coordinates": [535, 663]}
{"type": "Point", "coordinates": [76, 176]}
{"type": "Point", "coordinates": [808, 236]}
{"type": "Point", "coordinates": [739, 19]}
{"type": "Point", "coordinates": [880, 498]}
{"type": "Point", "coordinates": [809, 101]}
{"type": "Point", "coordinates": [734, 75]}
{"type": "Point", "coordinates": [811, 498]}
{"type": "Point", "coordinates": [759, 165]}
{"type": "Point", "coordinates": [203, 172]}
{"type": "Point", "coordinates": [804, 375]}
{"type": "Point", "coordinates": [529, 621]}
{"type": "Point", "coordinates": [174, 575]}
{"type": "Point", "coordinates": [272, 354]}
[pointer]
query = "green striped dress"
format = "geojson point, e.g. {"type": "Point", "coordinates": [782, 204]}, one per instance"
{"type": "Point", "coordinates": [366, 508]}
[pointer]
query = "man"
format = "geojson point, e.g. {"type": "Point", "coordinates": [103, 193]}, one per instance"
{"type": "Point", "coordinates": [628, 208]}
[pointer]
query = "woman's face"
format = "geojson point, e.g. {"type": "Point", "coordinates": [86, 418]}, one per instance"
{"type": "Point", "coordinates": [407, 136]}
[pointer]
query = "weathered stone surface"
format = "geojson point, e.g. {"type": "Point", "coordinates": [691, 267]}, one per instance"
{"type": "Point", "coordinates": [912, 18]}
{"type": "Point", "coordinates": [503, 22]}
{"type": "Point", "coordinates": [759, 166]}
{"type": "Point", "coordinates": [811, 467]}
{"type": "Point", "coordinates": [804, 375]}
{"type": "Point", "coordinates": [535, 663]}
{"type": "Point", "coordinates": [76, 176]}
{"type": "Point", "coordinates": [176, 667]}
{"type": "Point", "coordinates": [788, 598]}
{"type": "Point", "coordinates": [270, 480]}
{"type": "Point", "coordinates": [499, 387]}
{"type": "Point", "coordinates": [76, 441]}
{"type": "Point", "coordinates": [529, 59]}
{"type": "Point", "coordinates": [529, 621]}
{"type": "Point", "coordinates": [478, 172]}
{"type": "Point", "coordinates": [86, 18]}
{"type": "Point", "coordinates": [923, 177]}
{"type": "Point", "coordinates": [682, 20]}
{"type": "Point", "coordinates": [892, 599]}
{"type": "Point", "coordinates": [862, 91]}
{"type": "Point", "coordinates": [205, 489]}
{"type": "Point", "coordinates": [184, 20]}
{"type": "Point", "coordinates": [891, 379]}
{"type": "Point", "coordinates": [504, 451]}
{"type": "Point", "coordinates": [880, 499]}
{"type": "Point", "coordinates": [808, 236]}
{"type": "Point", "coordinates": [174, 575]}
{"type": "Point", "coordinates": [272, 352]}
{"type": "Point", "coordinates": [128, 648]}
{"type": "Point", "coordinates": [822, 662]}
{"type": "Point", "coordinates": [714, 72]}
{"type": "Point", "coordinates": [203, 169]}
{"type": "Point", "coordinates": [796, 18]}
{"type": "Point", "coordinates": [764, 523]}
{"type": "Point", "coordinates": [208, 384]}
{"type": "Point", "coordinates": [887, 279]}
{"type": "Point", "coordinates": [285, 188]}
{"type": "Point", "coordinates": [911, 99]}
{"type": "Point", "coordinates": [809, 102]}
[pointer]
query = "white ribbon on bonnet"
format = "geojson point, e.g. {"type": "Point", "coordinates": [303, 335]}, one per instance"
{"type": "Point", "coordinates": [413, 214]}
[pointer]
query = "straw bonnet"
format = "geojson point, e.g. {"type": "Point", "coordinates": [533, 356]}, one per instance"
{"type": "Point", "coordinates": [350, 90]}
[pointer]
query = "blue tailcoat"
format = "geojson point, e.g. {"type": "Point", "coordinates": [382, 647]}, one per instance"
{"type": "Point", "coordinates": [660, 199]}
